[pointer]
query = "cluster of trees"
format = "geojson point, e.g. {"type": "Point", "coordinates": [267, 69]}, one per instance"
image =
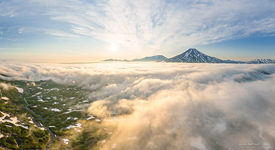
{"type": "Point", "coordinates": [29, 139]}
{"type": "Point", "coordinates": [9, 142]}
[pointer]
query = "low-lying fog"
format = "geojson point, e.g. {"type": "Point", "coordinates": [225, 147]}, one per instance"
{"type": "Point", "coordinates": [168, 106]}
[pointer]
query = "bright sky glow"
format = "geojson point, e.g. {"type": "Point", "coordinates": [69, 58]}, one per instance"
{"type": "Point", "coordinates": [112, 48]}
{"type": "Point", "coordinates": [83, 30]}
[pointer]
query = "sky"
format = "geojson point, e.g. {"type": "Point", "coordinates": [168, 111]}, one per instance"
{"type": "Point", "coordinates": [88, 30]}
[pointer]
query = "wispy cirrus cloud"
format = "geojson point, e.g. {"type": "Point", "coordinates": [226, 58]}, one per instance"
{"type": "Point", "coordinates": [151, 25]}
{"type": "Point", "coordinates": [46, 31]}
{"type": "Point", "coordinates": [156, 25]}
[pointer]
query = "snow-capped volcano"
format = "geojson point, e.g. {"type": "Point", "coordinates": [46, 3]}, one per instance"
{"type": "Point", "coordinates": [192, 55]}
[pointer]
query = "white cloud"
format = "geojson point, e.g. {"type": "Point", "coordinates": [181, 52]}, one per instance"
{"type": "Point", "coordinates": [47, 31]}
{"type": "Point", "coordinates": [154, 25]}
{"type": "Point", "coordinates": [170, 105]}
{"type": "Point", "coordinates": [5, 86]}
{"type": "Point", "coordinates": [150, 26]}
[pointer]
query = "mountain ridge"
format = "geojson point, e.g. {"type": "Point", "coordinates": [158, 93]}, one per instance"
{"type": "Point", "coordinates": [261, 61]}
{"type": "Point", "coordinates": [152, 58]}
{"type": "Point", "coordinates": [192, 55]}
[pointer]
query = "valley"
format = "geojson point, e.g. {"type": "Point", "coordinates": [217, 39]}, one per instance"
{"type": "Point", "coordinates": [41, 113]}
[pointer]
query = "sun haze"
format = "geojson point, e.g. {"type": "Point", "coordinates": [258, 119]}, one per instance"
{"type": "Point", "coordinates": [85, 31]}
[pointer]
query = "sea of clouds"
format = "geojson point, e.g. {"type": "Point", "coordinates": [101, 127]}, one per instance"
{"type": "Point", "coordinates": [168, 106]}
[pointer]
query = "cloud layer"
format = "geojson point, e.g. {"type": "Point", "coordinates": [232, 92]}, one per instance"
{"type": "Point", "coordinates": [5, 86]}
{"type": "Point", "coordinates": [172, 105]}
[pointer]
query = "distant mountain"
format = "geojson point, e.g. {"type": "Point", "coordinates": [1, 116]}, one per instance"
{"type": "Point", "coordinates": [152, 58]}
{"type": "Point", "coordinates": [261, 61]}
{"type": "Point", "coordinates": [116, 60]}
{"type": "Point", "coordinates": [192, 55]}
{"type": "Point", "coordinates": [234, 62]}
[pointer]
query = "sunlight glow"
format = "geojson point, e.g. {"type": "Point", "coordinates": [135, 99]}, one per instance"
{"type": "Point", "coordinates": [112, 48]}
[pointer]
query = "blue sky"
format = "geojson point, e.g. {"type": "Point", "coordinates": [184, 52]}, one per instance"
{"type": "Point", "coordinates": [86, 30]}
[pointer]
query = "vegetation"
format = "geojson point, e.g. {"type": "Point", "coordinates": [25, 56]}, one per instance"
{"type": "Point", "coordinates": [90, 138]}
{"type": "Point", "coordinates": [17, 137]}
{"type": "Point", "coordinates": [50, 105]}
